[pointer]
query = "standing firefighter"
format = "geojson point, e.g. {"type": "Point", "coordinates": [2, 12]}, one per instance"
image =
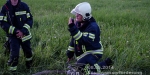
{"type": "Point", "coordinates": [85, 42]}
{"type": "Point", "coordinates": [16, 21]}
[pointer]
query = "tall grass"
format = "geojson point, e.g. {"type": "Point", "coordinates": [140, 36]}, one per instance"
{"type": "Point", "coordinates": [124, 33]}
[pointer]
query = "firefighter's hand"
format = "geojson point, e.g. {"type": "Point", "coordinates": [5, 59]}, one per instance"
{"type": "Point", "coordinates": [19, 34]}
{"type": "Point", "coordinates": [71, 20]}
{"type": "Point", "coordinates": [68, 60]}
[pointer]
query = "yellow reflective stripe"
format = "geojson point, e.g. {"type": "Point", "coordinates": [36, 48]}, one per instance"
{"type": "Point", "coordinates": [5, 18]}
{"type": "Point", "coordinates": [78, 35]}
{"type": "Point", "coordinates": [76, 42]}
{"type": "Point", "coordinates": [101, 45]}
{"type": "Point", "coordinates": [82, 55]}
{"type": "Point", "coordinates": [99, 51]}
{"type": "Point", "coordinates": [85, 34]}
{"type": "Point", "coordinates": [28, 59]}
{"type": "Point", "coordinates": [27, 37]}
{"type": "Point", "coordinates": [97, 68]}
{"type": "Point", "coordinates": [92, 36]}
{"type": "Point", "coordinates": [13, 68]}
{"type": "Point", "coordinates": [27, 26]}
{"type": "Point", "coordinates": [28, 15]}
{"type": "Point", "coordinates": [20, 19]}
{"type": "Point", "coordinates": [83, 48]}
{"type": "Point", "coordinates": [87, 69]}
{"type": "Point", "coordinates": [11, 29]}
{"type": "Point", "coordinates": [94, 51]}
{"type": "Point", "coordinates": [1, 18]}
{"type": "Point", "coordinates": [20, 13]}
{"type": "Point", "coordinates": [71, 48]}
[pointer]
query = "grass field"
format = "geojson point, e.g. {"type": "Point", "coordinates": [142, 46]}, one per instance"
{"type": "Point", "coordinates": [124, 27]}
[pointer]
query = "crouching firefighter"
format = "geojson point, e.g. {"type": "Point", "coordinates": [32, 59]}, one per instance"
{"type": "Point", "coordinates": [16, 21]}
{"type": "Point", "coordinates": [85, 42]}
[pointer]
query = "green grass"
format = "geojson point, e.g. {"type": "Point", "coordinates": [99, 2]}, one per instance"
{"type": "Point", "coordinates": [124, 33]}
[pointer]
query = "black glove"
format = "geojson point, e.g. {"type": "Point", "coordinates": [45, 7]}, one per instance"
{"type": "Point", "coordinates": [70, 54]}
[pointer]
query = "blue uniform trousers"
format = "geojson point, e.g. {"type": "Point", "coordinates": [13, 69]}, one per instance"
{"type": "Point", "coordinates": [15, 44]}
{"type": "Point", "coordinates": [92, 59]}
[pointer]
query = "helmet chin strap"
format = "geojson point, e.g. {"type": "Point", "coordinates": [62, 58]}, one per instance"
{"type": "Point", "coordinates": [84, 20]}
{"type": "Point", "coordinates": [81, 23]}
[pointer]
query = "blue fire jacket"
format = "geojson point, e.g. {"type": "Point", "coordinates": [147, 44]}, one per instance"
{"type": "Point", "coordinates": [15, 18]}
{"type": "Point", "coordinates": [85, 39]}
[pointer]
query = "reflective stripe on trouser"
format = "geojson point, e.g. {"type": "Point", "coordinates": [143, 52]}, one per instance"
{"type": "Point", "coordinates": [28, 62]}
{"type": "Point", "coordinates": [99, 51]}
{"type": "Point", "coordinates": [97, 68]}
{"type": "Point", "coordinates": [12, 68]}
{"type": "Point", "coordinates": [29, 59]}
{"type": "Point", "coordinates": [87, 69]}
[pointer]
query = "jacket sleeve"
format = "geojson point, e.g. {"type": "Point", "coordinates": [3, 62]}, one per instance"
{"type": "Point", "coordinates": [83, 38]}
{"type": "Point", "coordinates": [29, 21]}
{"type": "Point", "coordinates": [27, 24]}
{"type": "Point", "coordinates": [70, 51]}
{"type": "Point", "coordinates": [6, 26]}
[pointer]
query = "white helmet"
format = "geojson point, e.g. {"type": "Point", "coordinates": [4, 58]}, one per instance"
{"type": "Point", "coordinates": [83, 9]}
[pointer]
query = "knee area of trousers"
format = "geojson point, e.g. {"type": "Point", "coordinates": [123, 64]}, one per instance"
{"type": "Point", "coordinates": [15, 58]}
{"type": "Point", "coordinates": [13, 61]}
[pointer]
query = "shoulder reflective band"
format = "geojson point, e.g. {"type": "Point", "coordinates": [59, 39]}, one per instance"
{"type": "Point", "coordinates": [78, 36]}
{"type": "Point", "coordinates": [27, 26]}
{"type": "Point", "coordinates": [28, 15]}
{"type": "Point", "coordinates": [92, 36]}
{"type": "Point", "coordinates": [27, 37]}
{"type": "Point", "coordinates": [11, 29]}
{"type": "Point", "coordinates": [13, 68]}
{"type": "Point", "coordinates": [70, 48]}
{"type": "Point", "coordinates": [1, 18]}
{"type": "Point", "coordinates": [20, 13]}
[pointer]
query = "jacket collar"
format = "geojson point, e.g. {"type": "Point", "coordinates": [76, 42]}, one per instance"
{"type": "Point", "coordinates": [85, 23]}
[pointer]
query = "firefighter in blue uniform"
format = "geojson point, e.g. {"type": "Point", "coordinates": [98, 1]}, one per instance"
{"type": "Point", "coordinates": [16, 20]}
{"type": "Point", "coordinates": [85, 42]}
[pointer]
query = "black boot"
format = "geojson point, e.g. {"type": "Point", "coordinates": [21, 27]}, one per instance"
{"type": "Point", "coordinates": [28, 64]}
{"type": "Point", "coordinates": [12, 64]}
{"type": "Point", "coordinates": [109, 62]}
